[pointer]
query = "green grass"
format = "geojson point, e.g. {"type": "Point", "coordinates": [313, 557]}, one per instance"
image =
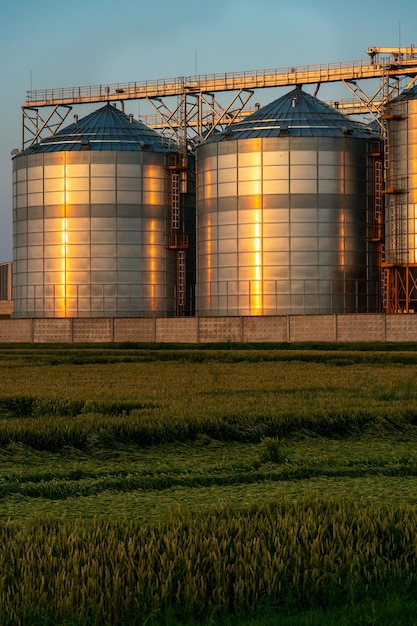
{"type": "Point", "coordinates": [202, 474]}
{"type": "Point", "coordinates": [157, 440]}
{"type": "Point", "coordinates": [307, 553]}
{"type": "Point", "coordinates": [385, 611]}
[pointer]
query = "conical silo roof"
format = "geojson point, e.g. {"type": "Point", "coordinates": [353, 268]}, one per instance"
{"type": "Point", "coordinates": [296, 114]}
{"type": "Point", "coordinates": [104, 129]}
{"type": "Point", "coordinates": [407, 94]}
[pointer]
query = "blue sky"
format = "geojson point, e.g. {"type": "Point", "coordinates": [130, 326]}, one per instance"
{"type": "Point", "coordinates": [48, 44]}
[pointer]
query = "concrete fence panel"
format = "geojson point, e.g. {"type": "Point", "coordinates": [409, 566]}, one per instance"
{"type": "Point", "coordinates": [177, 330]}
{"type": "Point", "coordinates": [52, 330]}
{"type": "Point", "coordinates": [312, 328]}
{"type": "Point", "coordinates": [268, 329]}
{"type": "Point", "coordinates": [92, 330]}
{"type": "Point", "coordinates": [360, 327]}
{"type": "Point", "coordinates": [216, 329]}
{"type": "Point", "coordinates": [16, 331]}
{"type": "Point", "coordinates": [135, 329]}
{"type": "Point", "coordinates": [365, 327]}
{"type": "Point", "coordinates": [401, 328]}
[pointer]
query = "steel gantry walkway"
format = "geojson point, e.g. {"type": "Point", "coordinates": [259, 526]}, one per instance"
{"type": "Point", "coordinates": [189, 108]}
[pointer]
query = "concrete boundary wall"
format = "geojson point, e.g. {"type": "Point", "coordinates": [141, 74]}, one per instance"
{"type": "Point", "coordinates": [372, 327]}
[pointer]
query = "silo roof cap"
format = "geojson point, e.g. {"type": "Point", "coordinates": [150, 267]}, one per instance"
{"type": "Point", "coordinates": [104, 129]}
{"type": "Point", "coordinates": [407, 94]}
{"type": "Point", "coordinates": [296, 114]}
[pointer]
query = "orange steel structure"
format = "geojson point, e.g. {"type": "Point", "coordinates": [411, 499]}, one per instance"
{"type": "Point", "coordinates": [191, 109]}
{"type": "Point", "coordinates": [197, 112]}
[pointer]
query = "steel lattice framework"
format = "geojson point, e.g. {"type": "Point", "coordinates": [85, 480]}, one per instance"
{"type": "Point", "coordinates": [190, 109]}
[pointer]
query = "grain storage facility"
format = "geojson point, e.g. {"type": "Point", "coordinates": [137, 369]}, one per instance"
{"type": "Point", "coordinates": [299, 208]}
{"type": "Point", "coordinates": [400, 265]}
{"type": "Point", "coordinates": [97, 226]}
{"type": "Point", "coordinates": [285, 199]}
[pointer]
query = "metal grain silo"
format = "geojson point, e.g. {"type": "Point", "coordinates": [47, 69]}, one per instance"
{"type": "Point", "coordinates": [91, 218]}
{"type": "Point", "coordinates": [282, 213]}
{"type": "Point", "coordinates": [401, 203]}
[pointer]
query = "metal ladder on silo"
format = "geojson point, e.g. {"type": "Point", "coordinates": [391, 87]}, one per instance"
{"type": "Point", "coordinates": [177, 238]}
{"type": "Point", "coordinates": [181, 281]}
{"type": "Point", "coordinates": [175, 201]}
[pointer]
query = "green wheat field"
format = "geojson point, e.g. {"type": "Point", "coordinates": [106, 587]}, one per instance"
{"type": "Point", "coordinates": [235, 485]}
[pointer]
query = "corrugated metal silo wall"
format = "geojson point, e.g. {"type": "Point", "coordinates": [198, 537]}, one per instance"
{"type": "Point", "coordinates": [90, 235]}
{"type": "Point", "coordinates": [282, 227]}
{"type": "Point", "coordinates": [401, 183]}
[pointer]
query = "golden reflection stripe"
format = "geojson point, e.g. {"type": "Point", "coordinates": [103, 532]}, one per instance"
{"type": "Point", "coordinates": [256, 284]}
{"type": "Point", "coordinates": [62, 292]}
{"type": "Point", "coordinates": [152, 262]}
{"type": "Point", "coordinates": [342, 239]}
{"type": "Point", "coordinates": [61, 304]}
{"type": "Point", "coordinates": [209, 262]}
